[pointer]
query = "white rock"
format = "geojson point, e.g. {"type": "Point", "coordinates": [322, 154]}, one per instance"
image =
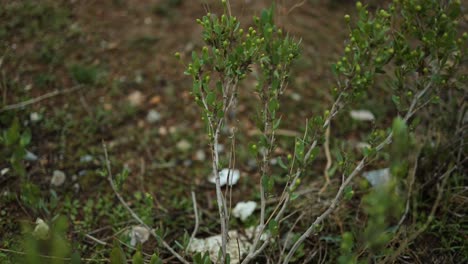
{"type": "Point", "coordinates": [236, 247]}
{"type": "Point", "coordinates": [76, 187]}
{"type": "Point", "coordinates": [243, 210]}
{"type": "Point", "coordinates": [378, 177]}
{"type": "Point", "coordinates": [273, 161]}
{"type": "Point", "coordinates": [86, 158]}
{"type": "Point", "coordinates": [362, 115]}
{"type": "Point", "coordinates": [58, 178]}
{"type": "Point", "coordinates": [153, 116]}
{"type": "Point", "coordinates": [41, 231]}
{"type": "Point", "coordinates": [296, 97]}
{"type": "Point", "coordinates": [224, 174]}
{"type": "Point", "coordinates": [162, 131]}
{"type": "Point", "coordinates": [200, 155]}
{"type": "Point", "coordinates": [220, 148]}
{"type": "Point", "coordinates": [30, 156]}
{"type": "Point", "coordinates": [183, 145]}
{"type": "Point", "coordinates": [4, 171]}
{"type": "Point", "coordinates": [148, 20]}
{"type": "Point", "coordinates": [136, 98]}
{"type": "Point", "coordinates": [138, 234]}
{"type": "Point", "coordinates": [34, 117]}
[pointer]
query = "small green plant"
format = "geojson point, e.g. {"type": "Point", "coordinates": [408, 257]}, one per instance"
{"type": "Point", "coordinates": [13, 142]}
{"type": "Point", "coordinates": [90, 75]}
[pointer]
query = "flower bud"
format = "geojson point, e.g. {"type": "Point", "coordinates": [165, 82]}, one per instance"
{"type": "Point", "coordinates": [347, 18]}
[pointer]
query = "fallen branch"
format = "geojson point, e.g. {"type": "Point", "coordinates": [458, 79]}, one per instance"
{"type": "Point", "coordinates": [39, 98]}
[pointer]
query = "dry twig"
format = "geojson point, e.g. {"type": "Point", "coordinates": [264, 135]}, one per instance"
{"type": "Point", "coordinates": [39, 98]}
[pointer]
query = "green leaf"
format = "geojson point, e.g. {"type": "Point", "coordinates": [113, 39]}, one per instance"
{"type": "Point", "coordinates": [396, 100]}
{"type": "Point", "coordinates": [273, 227]}
{"type": "Point", "coordinates": [277, 123]}
{"type": "Point", "coordinates": [12, 134]}
{"type": "Point", "coordinates": [268, 182]}
{"type": "Point", "coordinates": [281, 163]}
{"type": "Point", "coordinates": [273, 105]}
{"type": "Point", "coordinates": [117, 255]}
{"type": "Point", "coordinates": [137, 258]}
{"type": "Point", "coordinates": [25, 138]}
{"type": "Point", "coordinates": [75, 258]}
{"type": "Point", "coordinates": [348, 193]}
{"type": "Point", "coordinates": [210, 98]}
{"type": "Point", "coordinates": [155, 259]}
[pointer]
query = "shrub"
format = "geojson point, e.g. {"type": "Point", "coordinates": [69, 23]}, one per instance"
{"type": "Point", "coordinates": [414, 45]}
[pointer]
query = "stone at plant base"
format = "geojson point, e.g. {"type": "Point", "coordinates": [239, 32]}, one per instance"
{"type": "Point", "coordinates": [233, 175]}
{"type": "Point", "coordinates": [58, 178]}
{"type": "Point", "coordinates": [138, 234]}
{"type": "Point", "coordinates": [41, 231]}
{"type": "Point", "coordinates": [362, 115]}
{"type": "Point", "coordinates": [183, 145]}
{"type": "Point", "coordinates": [243, 210]}
{"type": "Point", "coordinates": [153, 116]}
{"type": "Point", "coordinates": [212, 244]}
{"type": "Point", "coordinates": [378, 177]}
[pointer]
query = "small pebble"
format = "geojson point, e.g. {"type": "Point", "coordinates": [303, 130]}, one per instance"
{"type": "Point", "coordinates": [200, 155]}
{"type": "Point", "coordinates": [30, 156]}
{"type": "Point", "coordinates": [4, 171]}
{"type": "Point", "coordinates": [86, 158]}
{"type": "Point", "coordinates": [58, 178]}
{"type": "Point", "coordinates": [220, 148]}
{"type": "Point", "coordinates": [148, 21]}
{"type": "Point", "coordinates": [296, 97]}
{"type": "Point", "coordinates": [162, 131]}
{"type": "Point", "coordinates": [136, 98]}
{"type": "Point", "coordinates": [35, 117]}
{"type": "Point", "coordinates": [153, 116]}
{"type": "Point", "coordinates": [183, 145]}
{"type": "Point", "coordinates": [362, 115]}
{"type": "Point", "coordinates": [76, 187]}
